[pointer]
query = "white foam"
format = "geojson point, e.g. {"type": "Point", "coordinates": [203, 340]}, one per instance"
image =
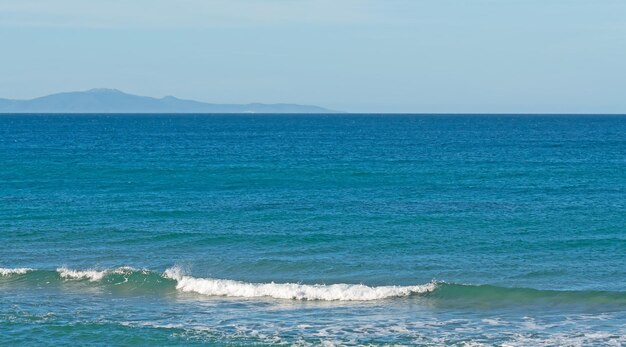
{"type": "Point", "coordinates": [333, 292]}
{"type": "Point", "coordinates": [15, 271]}
{"type": "Point", "coordinates": [127, 270]}
{"type": "Point", "coordinates": [91, 275]}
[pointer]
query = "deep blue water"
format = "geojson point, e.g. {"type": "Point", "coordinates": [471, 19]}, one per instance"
{"type": "Point", "coordinates": [462, 230]}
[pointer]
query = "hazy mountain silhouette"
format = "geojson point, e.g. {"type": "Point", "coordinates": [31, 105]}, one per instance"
{"type": "Point", "coordinates": [114, 101]}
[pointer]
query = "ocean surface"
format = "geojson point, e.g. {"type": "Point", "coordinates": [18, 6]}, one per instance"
{"type": "Point", "coordinates": [312, 230]}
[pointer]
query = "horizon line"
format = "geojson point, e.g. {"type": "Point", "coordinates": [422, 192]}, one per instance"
{"type": "Point", "coordinates": [344, 113]}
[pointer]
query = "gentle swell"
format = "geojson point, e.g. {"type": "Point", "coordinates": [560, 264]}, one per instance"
{"type": "Point", "coordinates": [333, 292]}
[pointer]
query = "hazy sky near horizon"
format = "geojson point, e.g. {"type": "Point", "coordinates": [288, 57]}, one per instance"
{"type": "Point", "coordinates": [556, 56]}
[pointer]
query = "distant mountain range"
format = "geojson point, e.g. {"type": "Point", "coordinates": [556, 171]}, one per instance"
{"type": "Point", "coordinates": [114, 101]}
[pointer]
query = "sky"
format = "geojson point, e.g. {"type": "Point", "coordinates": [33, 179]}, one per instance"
{"type": "Point", "coordinates": [437, 56]}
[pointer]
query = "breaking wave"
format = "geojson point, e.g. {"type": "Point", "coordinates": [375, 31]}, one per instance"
{"type": "Point", "coordinates": [174, 280]}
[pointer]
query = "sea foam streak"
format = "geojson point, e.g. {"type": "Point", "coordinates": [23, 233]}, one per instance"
{"type": "Point", "coordinates": [333, 292]}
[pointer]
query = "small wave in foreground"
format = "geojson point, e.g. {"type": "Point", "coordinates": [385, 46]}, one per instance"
{"type": "Point", "coordinates": [128, 279]}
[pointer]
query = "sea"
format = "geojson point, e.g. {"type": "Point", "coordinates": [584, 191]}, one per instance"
{"type": "Point", "coordinates": [312, 230]}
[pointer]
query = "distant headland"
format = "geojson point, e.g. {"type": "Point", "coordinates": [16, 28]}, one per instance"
{"type": "Point", "coordinates": [103, 100]}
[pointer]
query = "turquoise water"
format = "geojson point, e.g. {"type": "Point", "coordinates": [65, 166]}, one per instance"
{"type": "Point", "coordinates": [309, 230]}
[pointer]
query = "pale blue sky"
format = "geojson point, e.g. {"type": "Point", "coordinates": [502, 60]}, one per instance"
{"type": "Point", "coordinates": [354, 55]}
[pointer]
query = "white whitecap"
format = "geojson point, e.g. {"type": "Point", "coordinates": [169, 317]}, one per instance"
{"type": "Point", "coordinates": [14, 271]}
{"type": "Point", "coordinates": [126, 270]}
{"type": "Point", "coordinates": [91, 275]}
{"type": "Point", "coordinates": [332, 292]}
